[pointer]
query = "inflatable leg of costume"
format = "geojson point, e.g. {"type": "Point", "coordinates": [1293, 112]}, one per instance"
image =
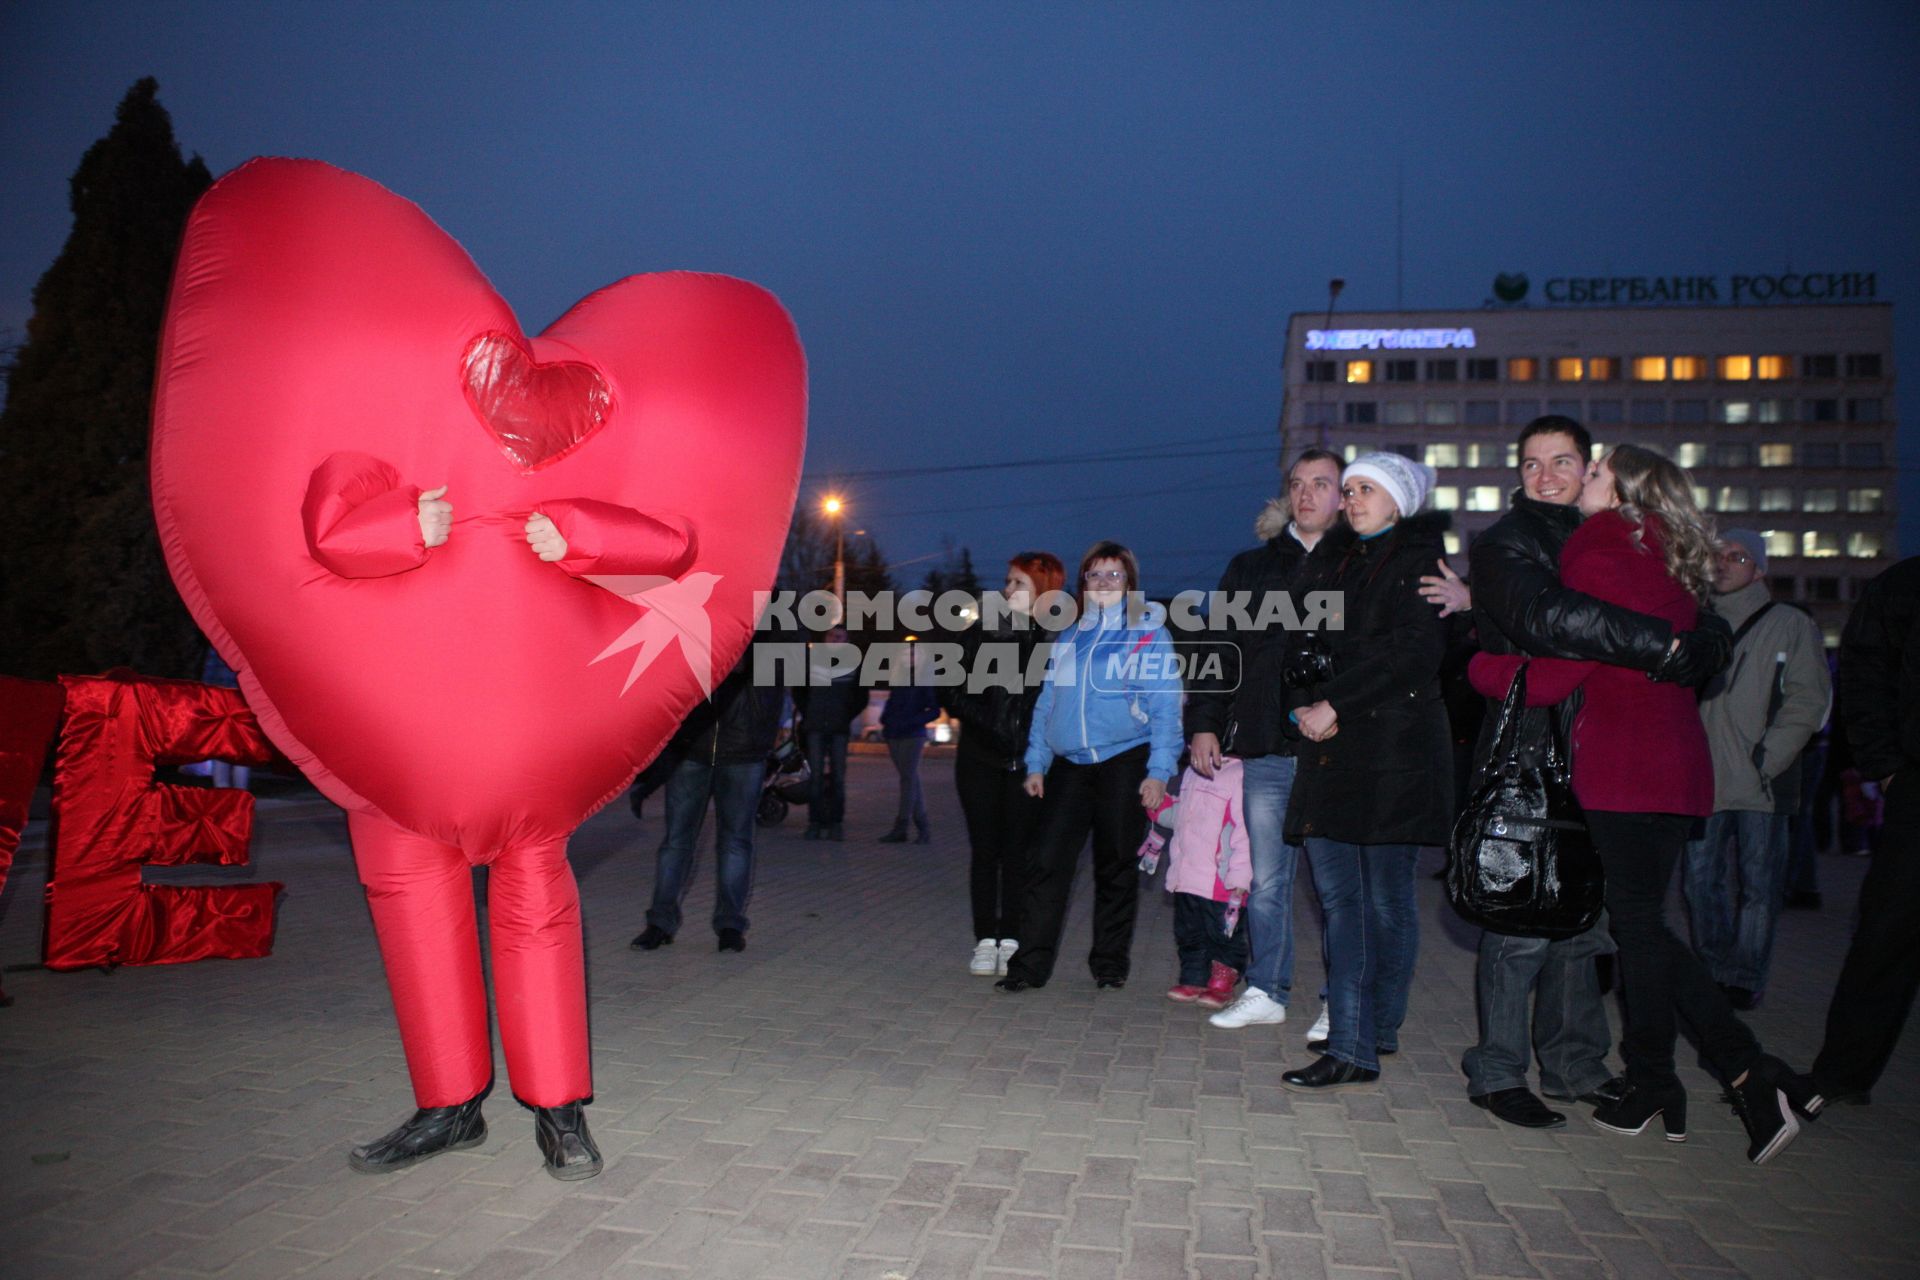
{"type": "Point", "coordinates": [539, 975]}
{"type": "Point", "coordinates": [421, 895]}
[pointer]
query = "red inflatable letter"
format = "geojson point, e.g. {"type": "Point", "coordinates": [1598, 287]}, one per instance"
{"type": "Point", "coordinates": [110, 818]}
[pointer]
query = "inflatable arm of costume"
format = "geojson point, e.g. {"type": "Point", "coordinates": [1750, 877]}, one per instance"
{"type": "Point", "coordinates": [362, 520]}
{"type": "Point", "coordinates": [604, 538]}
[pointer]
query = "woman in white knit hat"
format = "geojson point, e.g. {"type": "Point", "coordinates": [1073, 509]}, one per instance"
{"type": "Point", "coordinates": [1375, 778]}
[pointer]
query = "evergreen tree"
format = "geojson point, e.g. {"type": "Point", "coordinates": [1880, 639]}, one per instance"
{"type": "Point", "coordinates": [81, 572]}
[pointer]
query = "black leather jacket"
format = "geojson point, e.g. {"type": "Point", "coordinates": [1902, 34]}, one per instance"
{"type": "Point", "coordinates": [1242, 708]}
{"type": "Point", "coordinates": [1879, 703]}
{"type": "Point", "coordinates": [995, 720]}
{"type": "Point", "coordinates": [737, 725]}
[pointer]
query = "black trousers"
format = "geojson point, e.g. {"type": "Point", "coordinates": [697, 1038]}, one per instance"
{"type": "Point", "coordinates": [1882, 971]}
{"type": "Point", "coordinates": [1102, 800]}
{"type": "Point", "coordinates": [1201, 940]}
{"type": "Point", "coordinates": [1662, 981]}
{"type": "Point", "coordinates": [1001, 821]}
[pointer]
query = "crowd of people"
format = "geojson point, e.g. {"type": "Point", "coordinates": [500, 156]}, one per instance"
{"type": "Point", "coordinates": [1694, 709]}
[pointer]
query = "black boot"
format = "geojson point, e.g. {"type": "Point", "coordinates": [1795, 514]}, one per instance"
{"type": "Point", "coordinates": [1638, 1106]}
{"type": "Point", "coordinates": [1760, 1101]}
{"type": "Point", "coordinates": [565, 1142]}
{"type": "Point", "coordinates": [431, 1131]}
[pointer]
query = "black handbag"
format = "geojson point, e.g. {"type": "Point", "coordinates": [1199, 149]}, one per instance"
{"type": "Point", "coordinates": [1521, 860]}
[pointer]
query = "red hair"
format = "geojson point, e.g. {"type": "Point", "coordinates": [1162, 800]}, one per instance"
{"type": "Point", "coordinates": [1043, 567]}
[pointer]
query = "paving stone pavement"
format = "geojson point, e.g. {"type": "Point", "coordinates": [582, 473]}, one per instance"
{"type": "Point", "coordinates": [844, 1100]}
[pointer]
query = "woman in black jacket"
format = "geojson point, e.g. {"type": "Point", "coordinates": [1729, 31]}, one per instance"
{"type": "Point", "coordinates": [1375, 778]}
{"type": "Point", "coordinates": [990, 765]}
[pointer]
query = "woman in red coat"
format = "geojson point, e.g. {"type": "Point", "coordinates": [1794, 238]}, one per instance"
{"type": "Point", "coordinates": [1643, 774]}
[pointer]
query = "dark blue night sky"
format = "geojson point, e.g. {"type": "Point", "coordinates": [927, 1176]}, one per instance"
{"type": "Point", "coordinates": [1022, 231]}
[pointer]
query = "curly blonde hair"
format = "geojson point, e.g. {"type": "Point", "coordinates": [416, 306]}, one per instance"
{"type": "Point", "coordinates": [1651, 486]}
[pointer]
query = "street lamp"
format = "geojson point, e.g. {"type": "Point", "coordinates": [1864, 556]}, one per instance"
{"type": "Point", "coordinates": [834, 509]}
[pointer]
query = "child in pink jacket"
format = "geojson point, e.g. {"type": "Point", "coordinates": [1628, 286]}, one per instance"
{"type": "Point", "coordinates": [1209, 870]}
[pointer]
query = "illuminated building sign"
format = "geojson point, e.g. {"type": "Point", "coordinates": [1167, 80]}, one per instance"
{"type": "Point", "coordinates": [1387, 339]}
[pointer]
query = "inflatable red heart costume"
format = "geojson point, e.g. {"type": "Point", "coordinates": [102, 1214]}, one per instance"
{"type": "Point", "coordinates": [329, 355]}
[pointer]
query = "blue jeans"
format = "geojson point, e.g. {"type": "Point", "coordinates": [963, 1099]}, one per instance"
{"type": "Point", "coordinates": [1540, 997]}
{"type": "Point", "coordinates": [735, 792]}
{"type": "Point", "coordinates": [1735, 940]}
{"type": "Point", "coordinates": [1266, 784]}
{"type": "Point", "coordinates": [1373, 934]}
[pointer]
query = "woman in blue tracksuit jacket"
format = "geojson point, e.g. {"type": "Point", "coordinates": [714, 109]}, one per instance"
{"type": "Point", "coordinates": [1104, 742]}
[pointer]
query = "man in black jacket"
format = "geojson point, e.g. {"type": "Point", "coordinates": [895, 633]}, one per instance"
{"type": "Point", "coordinates": [1519, 606]}
{"type": "Point", "coordinates": [1880, 713]}
{"type": "Point", "coordinates": [719, 754]}
{"type": "Point", "coordinates": [1243, 715]}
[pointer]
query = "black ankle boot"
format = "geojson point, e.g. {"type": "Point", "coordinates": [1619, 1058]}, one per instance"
{"type": "Point", "coordinates": [1762, 1104]}
{"type": "Point", "coordinates": [1639, 1105]}
{"type": "Point", "coordinates": [562, 1134]}
{"type": "Point", "coordinates": [431, 1131]}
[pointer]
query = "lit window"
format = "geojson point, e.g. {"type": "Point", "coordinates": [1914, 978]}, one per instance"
{"type": "Point", "coordinates": [1866, 501]}
{"type": "Point", "coordinates": [1451, 541]}
{"type": "Point", "coordinates": [1773, 368]}
{"type": "Point", "coordinates": [1736, 368]}
{"type": "Point", "coordinates": [1689, 368]}
{"type": "Point", "coordinates": [1691, 455]}
{"type": "Point", "coordinates": [1770, 410]}
{"type": "Point", "coordinates": [1513, 455]}
{"type": "Point", "coordinates": [1646, 413]}
{"type": "Point", "coordinates": [1733, 497]}
{"type": "Point", "coordinates": [1446, 497]}
{"type": "Point", "coordinates": [1702, 498]}
{"type": "Point", "coordinates": [1442, 413]}
{"type": "Point", "coordinates": [1359, 371]}
{"type": "Point", "coordinates": [1605, 411]}
{"type": "Point", "coordinates": [1352, 451]}
{"type": "Point", "coordinates": [1736, 411]}
{"type": "Point", "coordinates": [1483, 413]}
{"type": "Point", "coordinates": [1482, 455]}
{"type": "Point", "coordinates": [1820, 500]}
{"type": "Point", "coordinates": [1568, 369]}
{"type": "Point", "coordinates": [1603, 368]}
{"type": "Point", "coordinates": [1442, 455]}
{"type": "Point", "coordinates": [1819, 543]}
{"type": "Point", "coordinates": [1866, 544]}
{"type": "Point", "coordinates": [1649, 368]}
{"type": "Point", "coordinates": [1400, 412]}
{"type": "Point", "coordinates": [1522, 369]}
{"type": "Point", "coordinates": [1779, 542]}
{"type": "Point", "coordinates": [1360, 412]}
{"type": "Point", "coordinates": [1830, 636]}
{"type": "Point", "coordinates": [1776, 455]}
{"type": "Point", "coordinates": [1483, 497]}
{"type": "Point", "coordinates": [1776, 499]}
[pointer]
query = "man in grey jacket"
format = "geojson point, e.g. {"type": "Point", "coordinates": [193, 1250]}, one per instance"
{"type": "Point", "coordinates": [1759, 714]}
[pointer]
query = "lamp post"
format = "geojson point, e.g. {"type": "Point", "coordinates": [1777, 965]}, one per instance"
{"type": "Point", "coordinates": [834, 510]}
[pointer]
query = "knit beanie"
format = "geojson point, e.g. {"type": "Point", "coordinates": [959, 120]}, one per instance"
{"type": "Point", "coordinates": [1750, 542]}
{"type": "Point", "coordinates": [1407, 482]}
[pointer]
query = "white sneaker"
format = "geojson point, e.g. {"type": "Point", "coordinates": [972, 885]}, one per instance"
{"type": "Point", "coordinates": [1322, 1026]}
{"type": "Point", "coordinates": [1254, 1006]}
{"type": "Point", "coordinates": [986, 959]}
{"type": "Point", "coordinates": [1007, 947]}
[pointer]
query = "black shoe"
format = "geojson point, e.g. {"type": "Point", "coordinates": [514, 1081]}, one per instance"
{"type": "Point", "coordinates": [732, 940]}
{"type": "Point", "coordinates": [1760, 1101]}
{"type": "Point", "coordinates": [836, 832]}
{"type": "Point", "coordinates": [1741, 998]}
{"type": "Point", "coordinates": [1328, 1074]}
{"type": "Point", "coordinates": [1804, 899]}
{"type": "Point", "coordinates": [651, 937]}
{"type": "Point", "coordinates": [1606, 1093]}
{"type": "Point", "coordinates": [564, 1141]}
{"type": "Point", "coordinates": [814, 832]}
{"type": "Point", "coordinates": [1518, 1106]}
{"type": "Point", "coordinates": [1639, 1105]}
{"type": "Point", "coordinates": [1822, 1098]}
{"type": "Point", "coordinates": [896, 836]}
{"type": "Point", "coordinates": [924, 837]}
{"type": "Point", "coordinates": [431, 1131]}
{"type": "Point", "coordinates": [1109, 984]}
{"type": "Point", "coordinates": [1014, 986]}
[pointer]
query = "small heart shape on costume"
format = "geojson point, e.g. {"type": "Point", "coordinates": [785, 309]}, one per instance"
{"type": "Point", "coordinates": [538, 412]}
